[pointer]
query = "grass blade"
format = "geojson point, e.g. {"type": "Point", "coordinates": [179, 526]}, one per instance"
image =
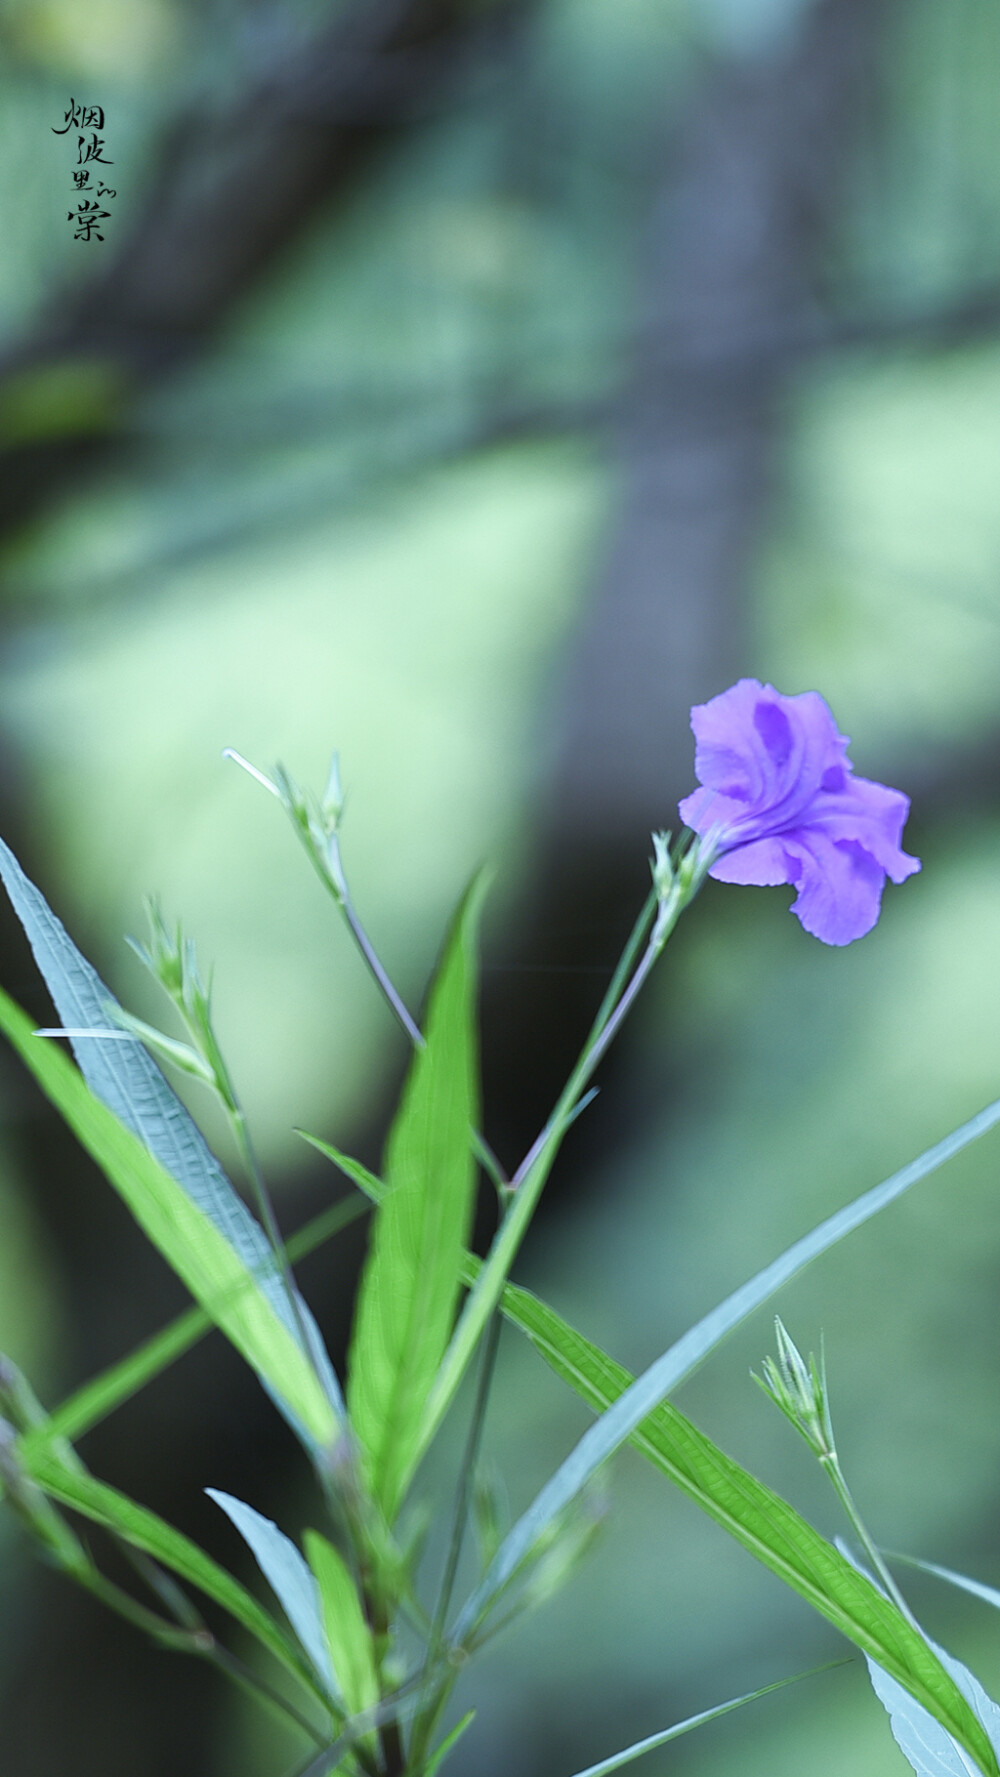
{"type": "Point", "coordinates": [989, 1594]}
{"type": "Point", "coordinates": [441, 1752]}
{"type": "Point", "coordinates": [347, 1634]}
{"type": "Point", "coordinates": [759, 1519]}
{"type": "Point", "coordinates": [288, 1576]}
{"type": "Point", "coordinates": [641, 1395]}
{"type": "Point", "coordinates": [410, 1284]}
{"type": "Point", "coordinates": [212, 1268]}
{"type": "Point", "coordinates": [618, 1759]}
{"type": "Point", "coordinates": [125, 1078]}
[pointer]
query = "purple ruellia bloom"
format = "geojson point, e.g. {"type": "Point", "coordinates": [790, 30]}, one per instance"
{"type": "Point", "coordinates": [781, 799]}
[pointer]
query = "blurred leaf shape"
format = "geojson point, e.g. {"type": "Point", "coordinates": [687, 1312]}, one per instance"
{"type": "Point", "coordinates": [123, 1078]}
{"type": "Point", "coordinates": [411, 1280]}
{"type": "Point", "coordinates": [288, 1576]}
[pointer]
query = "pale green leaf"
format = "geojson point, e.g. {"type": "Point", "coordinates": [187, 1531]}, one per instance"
{"type": "Point", "coordinates": [605, 1766]}
{"type": "Point", "coordinates": [348, 1636]}
{"type": "Point", "coordinates": [126, 1079]}
{"type": "Point", "coordinates": [189, 1240]}
{"type": "Point", "coordinates": [409, 1289]}
{"type": "Point", "coordinates": [931, 1750]}
{"type": "Point", "coordinates": [287, 1575]}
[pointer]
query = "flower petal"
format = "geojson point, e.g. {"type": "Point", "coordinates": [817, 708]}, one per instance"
{"type": "Point", "coordinates": [764, 862]}
{"type": "Point", "coordinates": [869, 813]}
{"type": "Point", "coordinates": [764, 755]}
{"type": "Point", "coordinates": [840, 885]}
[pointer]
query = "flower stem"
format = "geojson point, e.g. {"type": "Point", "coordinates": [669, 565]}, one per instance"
{"type": "Point", "coordinates": [831, 1463]}
{"type": "Point", "coordinates": [342, 895]}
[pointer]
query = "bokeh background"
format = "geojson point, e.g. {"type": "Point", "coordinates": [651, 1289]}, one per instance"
{"type": "Point", "coordinates": [472, 385]}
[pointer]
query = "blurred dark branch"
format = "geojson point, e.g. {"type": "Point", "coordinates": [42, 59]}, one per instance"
{"type": "Point", "coordinates": [732, 299]}
{"type": "Point", "coordinates": [233, 185]}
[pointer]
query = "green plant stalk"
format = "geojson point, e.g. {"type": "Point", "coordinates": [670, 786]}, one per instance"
{"type": "Point", "coordinates": [342, 895]}
{"type": "Point", "coordinates": [830, 1462]}
{"type": "Point", "coordinates": [427, 1718]}
{"type": "Point", "coordinates": [530, 1177]}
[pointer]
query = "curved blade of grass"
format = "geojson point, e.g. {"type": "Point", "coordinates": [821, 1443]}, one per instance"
{"type": "Point", "coordinates": [144, 1530]}
{"type": "Point", "coordinates": [691, 1460]}
{"type": "Point", "coordinates": [441, 1752]}
{"type": "Point", "coordinates": [366, 1181]}
{"type": "Point", "coordinates": [102, 1394]}
{"type": "Point", "coordinates": [681, 1358]}
{"type": "Point", "coordinates": [759, 1519]}
{"type": "Point", "coordinates": [652, 1741]}
{"type": "Point", "coordinates": [348, 1636]}
{"type": "Point", "coordinates": [211, 1267]}
{"type": "Point", "coordinates": [288, 1575]}
{"type": "Point", "coordinates": [410, 1283]}
{"type": "Point", "coordinates": [126, 1079]}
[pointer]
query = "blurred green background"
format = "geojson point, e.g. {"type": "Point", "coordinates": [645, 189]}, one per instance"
{"type": "Point", "coordinates": [473, 387]}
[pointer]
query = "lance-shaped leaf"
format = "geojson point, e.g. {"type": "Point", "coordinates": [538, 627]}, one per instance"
{"type": "Point", "coordinates": [126, 1079]}
{"type": "Point", "coordinates": [605, 1766]}
{"type": "Point", "coordinates": [348, 1636]}
{"type": "Point", "coordinates": [408, 1292]}
{"type": "Point", "coordinates": [188, 1238]}
{"type": "Point", "coordinates": [287, 1574]}
{"type": "Point", "coordinates": [758, 1518]}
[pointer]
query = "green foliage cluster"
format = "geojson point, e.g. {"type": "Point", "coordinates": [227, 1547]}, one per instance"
{"type": "Point", "coordinates": [367, 1669]}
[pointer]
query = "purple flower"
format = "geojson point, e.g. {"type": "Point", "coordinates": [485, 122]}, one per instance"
{"type": "Point", "coordinates": [783, 805]}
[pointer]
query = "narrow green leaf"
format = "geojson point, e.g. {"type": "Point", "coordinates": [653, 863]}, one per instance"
{"type": "Point", "coordinates": [701, 1339]}
{"type": "Point", "coordinates": [605, 1766]}
{"type": "Point", "coordinates": [203, 1258]}
{"type": "Point", "coordinates": [451, 1740]}
{"type": "Point", "coordinates": [288, 1577]}
{"type": "Point", "coordinates": [366, 1181]}
{"type": "Point", "coordinates": [126, 1079]}
{"type": "Point", "coordinates": [601, 1381]}
{"type": "Point", "coordinates": [763, 1523]}
{"type": "Point", "coordinates": [144, 1530]}
{"type": "Point", "coordinates": [348, 1636]}
{"type": "Point", "coordinates": [602, 1439]}
{"type": "Point", "coordinates": [103, 1393]}
{"type": "Point", "coordinates": [408, 1292]}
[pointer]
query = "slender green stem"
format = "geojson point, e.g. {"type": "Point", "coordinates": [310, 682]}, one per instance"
{"type": "Point", "coordinates": [248, 1681]}
{"type": "Point", "coordinates": [530, 1177]}
{"type": "Point", "coordinates": [466, 1480]}
{"type": "Point", "coordinates": [831, 1463]}
{"type": "Point", "coordinates": [342, 895]}
{"type": "Point", "coordinates": [192, 1641]}
{"type": "Point", "coordinates": [425, 1722]}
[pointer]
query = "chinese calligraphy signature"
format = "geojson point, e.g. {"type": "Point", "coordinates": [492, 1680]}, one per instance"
{"type": "Point", "coordinates": [88, 122]}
